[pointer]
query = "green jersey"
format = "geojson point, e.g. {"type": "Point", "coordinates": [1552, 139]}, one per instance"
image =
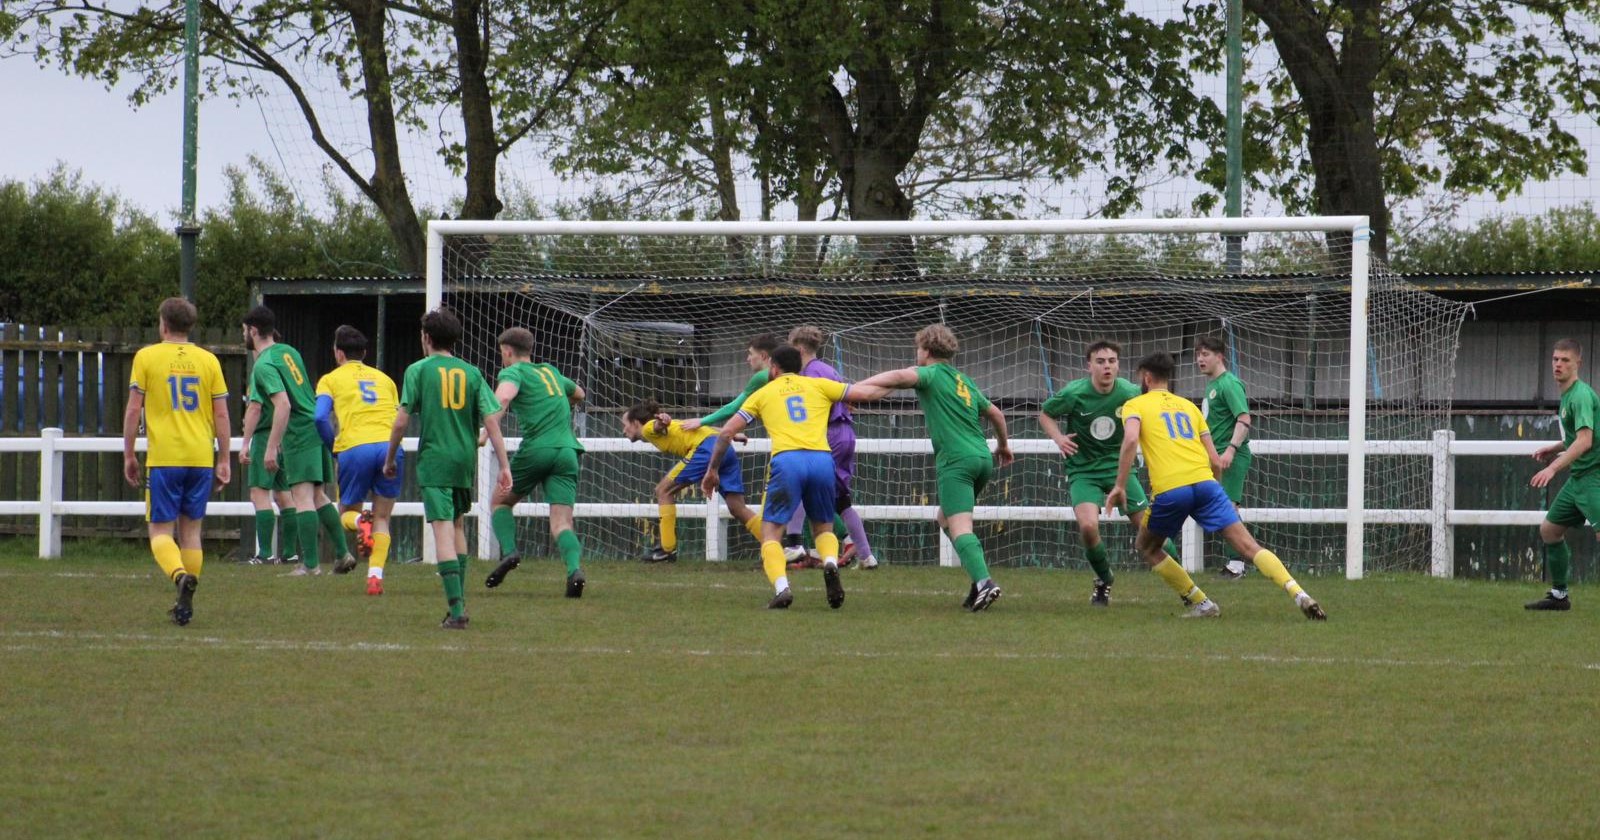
{"type": "Point", "coordinates": [1580, 407]}
{"type": "Point", "coordinates": [1224, 405]}
{"type": "Point", "coordinates": [954, 408]}
{"type": "Point", "coordinates": [450, 398]}
{"type": "Point", "coordinates": [757, 381]}
{"type": "Point", "coordinates": [1095, 419]}
{"type": "Point", "coordinates": [542, 406]}
{"type": "Point", "coordinates": [279, 369]}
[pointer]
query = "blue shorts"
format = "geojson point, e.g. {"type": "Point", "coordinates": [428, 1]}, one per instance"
{"type": "Point", "coordinates": [1206, 501]}
{"type": "Point", "coordinates": [693, 468]}
{"type": "Point", "coordinates": [171, 492]}
{"type": "Point", "coordinates": [799, 477]}
{"type": "Point", "coordinates": [361, 473]}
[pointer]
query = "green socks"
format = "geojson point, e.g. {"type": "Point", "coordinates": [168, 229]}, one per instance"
{"type": "Point", "coordinates": [571, 550]}
{"type": "Point", "coordinates": [1097, 561]}
{"type": "Point", "coordinates": [1172, 551]}
{"type": "Point", "coordinates": [266, 521]}
{"type": "Point", "coordinates": [328, 515]}
{"type": "Point", "coordinates": [971, 553]}
{"type": "Point", "coordinates": [307, 520]}
{"type": "Point", "coordinates": [1558, 559]}
{"type": "Point", "coordinates": [454, 592]}
{"type": "Point", "coordinates": [505, 530]}
{"type": "Point", "coordinates": [288, 533]}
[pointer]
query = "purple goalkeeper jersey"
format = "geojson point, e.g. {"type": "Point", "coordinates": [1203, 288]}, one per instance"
{"type": "Point", "coordinates": [823, 370]}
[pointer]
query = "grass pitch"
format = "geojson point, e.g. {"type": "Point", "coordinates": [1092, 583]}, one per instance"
{"type": "Point", "coordinates": [668, 703]}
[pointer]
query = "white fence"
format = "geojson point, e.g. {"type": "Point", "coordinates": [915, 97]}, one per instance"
{"type": "Point", "coordinates": [1441, 515]}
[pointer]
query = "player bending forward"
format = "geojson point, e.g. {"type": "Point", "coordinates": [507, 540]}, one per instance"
{"type": "Point", "coordinates": [795, 410]}
{"type": "Point", "coordinates": [364, 402]}
{"type": "Point", "coordinates": [955, 410]}
{"type": "Point", "coordinates": [180, 389]}
{"type": "Point", "coordinates": [450, 399]}
{"type": "Point", "coordinates": [647, 422]}
{"type": "Point", "coordinates": [1182, 461]}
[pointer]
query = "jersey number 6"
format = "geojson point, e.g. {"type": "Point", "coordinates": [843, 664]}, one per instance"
{"type": "Point", "coordinates": [797, 408]}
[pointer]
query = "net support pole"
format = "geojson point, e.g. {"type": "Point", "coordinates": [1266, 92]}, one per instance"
{"type": "Point", "coordinates": [1355, 490]}
{"type": "Point", "coordinates": [1193, 547]}
{"type": "Point", "coordinates": [488, 475]}
{"type": "Point", "coordinates": [1444, 500]}
{"type": "Point", "coordinates": [947, 551]}
{"type": "Point", "coordinates": [716, 535]}
{"type": "Point", "coordinates": [433, 295]}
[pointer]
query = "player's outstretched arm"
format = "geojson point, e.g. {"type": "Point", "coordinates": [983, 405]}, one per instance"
{"type": "Point", "coordinates": [130, 432]}
{"type": "Point", "coordinates": [1582, 442]}
{"type": "Point", "coordinates": [1117, 499]}
{"type": "Point", "coordinates": [730, 429]}
{"type": "Point", "coordinates": [879, 385]}
{"type": "Point", "coordinates": [402, 421]}
{"type": "Point", "coordinates": [732, 408]}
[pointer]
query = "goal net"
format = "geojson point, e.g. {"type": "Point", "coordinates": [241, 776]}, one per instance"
{"type": "Point", "coordinates": [636, 310]}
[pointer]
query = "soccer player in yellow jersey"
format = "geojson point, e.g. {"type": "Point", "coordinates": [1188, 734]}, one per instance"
{"type": "Point", "coordinates": [1183, 462]}
{"type": "Point", "coordinates": [795, 410]}
{"type": "Point", "coordinates": [645, 421]}
{"type": "Point", "coordinates": [364, 401]}
{"type": "Point", "coordinates": [181, 392]}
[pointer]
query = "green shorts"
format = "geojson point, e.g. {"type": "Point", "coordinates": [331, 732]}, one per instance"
{"type": "Point", "coordinates": [1233, 476]}
{"type": "Point", "coordinates": [305, 464]}
{"type": "Point", "coordinates": [1091, 489]}
{"type": "Point", "coordinates": [445, 503]}
{"type": "Point", "coordinates": [556, 470]}
{"type": "Point", "coordinates": [1578, 502]}
{"type": "Point", "coordinates": [960, 481]}
{"type": "Point", "coordinates": [256, 475]}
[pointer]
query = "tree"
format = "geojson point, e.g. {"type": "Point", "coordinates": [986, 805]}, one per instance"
{"type": "Point", "coordinates": [1562, 239]}
{"type": "Point", "coordinates": [406, 62]}
{"type": "Point", "coordinates": [1375, 101]}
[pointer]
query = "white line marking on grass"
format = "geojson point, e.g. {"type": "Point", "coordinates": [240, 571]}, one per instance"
{"type": "Point", "coordinates": [154, 574]}
{"type": "Point", "coordinates": [91, 640]}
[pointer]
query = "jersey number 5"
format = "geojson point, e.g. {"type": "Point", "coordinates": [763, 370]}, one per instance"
{"type": "Point", "coordinates": [797, 408]}
{"type": "Point", "coordinates": [368, 395]}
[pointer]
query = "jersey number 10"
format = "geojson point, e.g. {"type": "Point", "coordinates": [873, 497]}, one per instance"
{"type": "Point", "coordinates": [453, 388]}
{"type": "Point", "coordinates": [1178, 425]}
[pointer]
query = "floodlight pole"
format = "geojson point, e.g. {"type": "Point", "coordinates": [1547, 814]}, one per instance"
{"type": "Point", "coordinates": [189, 227]}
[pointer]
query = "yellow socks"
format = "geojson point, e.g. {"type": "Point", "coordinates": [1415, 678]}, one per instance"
{"type": "Point", "coordinates": [828, 546]}
{"type": "Point", "coordinates": [773, 564]}
{"type": "Point", "coordinates": [380, 554]}
{"type": "Point", "coordinates": [1179, 581]}
{"type": "Point", "coordinates": [669, 527]}
{"type": "Point", "coordinates": [350, 519]}
{"type": "Point", "coordinates": [1272, 567]}
{"type": "Point", "coordinates": [754, 526]}
{"type": "Point", "coordinates": [170, 559]}
{"type": "Point", "coordinates": [193, 559]}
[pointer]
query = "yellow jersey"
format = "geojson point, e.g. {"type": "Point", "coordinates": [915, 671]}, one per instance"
{"type": "Point", "coordinates": [180, 382]}
{"type": "Point", "coordinates": [675, 441]}
{"type": "Point", "coordinates": [795, 410]}
{"type": "Point", "coordinates": [365, 402]}
{"type": "Point", "coordinates": [1170, 428]}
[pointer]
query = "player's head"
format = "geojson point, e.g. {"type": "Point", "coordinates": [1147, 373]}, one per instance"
{"type": "Point", "coordinates": [260, 327]}
{"type": "Point", "coordinates": [440, 331]}
{"type": "Point", "coordinates": [349, 344]}
{"type": "Point", "coordinates": [1104, 359]}
{"type": "Point", "coordinates": [1156, 369]}
{"type": "Point", "coordinates": [633, 419]}
{"type": "Point", "coordinates": [178, 317]}
{"type": "Point", "coordinates": [1565, 359]}
{"type": "Point", "coordinates": [1209, 355]}
{"type": "Point", "coordinates": [759, 351]}
{"type": "Point", "coordinates": [936, 343]}
{"type": "Point", "coordinates": [785, 359]}
{"type": "Point", "coordinates": [516, 344]}
{"type": "Point", "coordinates": [807, 338]}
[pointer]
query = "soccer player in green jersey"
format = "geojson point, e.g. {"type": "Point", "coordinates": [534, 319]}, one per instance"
{"type": "Point", "coordinates": [955, 410]}
{"type": "Point", "coordinates": [758, 354]}
{"type": "Point", "coordinates": [280, 385]}
{"type": "Point", "coordinates": [265, 489]}
{"type": "Point", "coordinates": [1228, 414]}
{"type": "Point", "coordinates": [451, 399]}
{"type": "Point", "coordinates": [541, 399]}
{"type": "Point", "coordinates": [1579, 499]}
{"type": "Point", "coordinates": [1091, 409]}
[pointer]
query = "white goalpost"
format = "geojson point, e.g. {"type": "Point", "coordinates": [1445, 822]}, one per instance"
{"type": "Point", "coordinates": [1349, 369]}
